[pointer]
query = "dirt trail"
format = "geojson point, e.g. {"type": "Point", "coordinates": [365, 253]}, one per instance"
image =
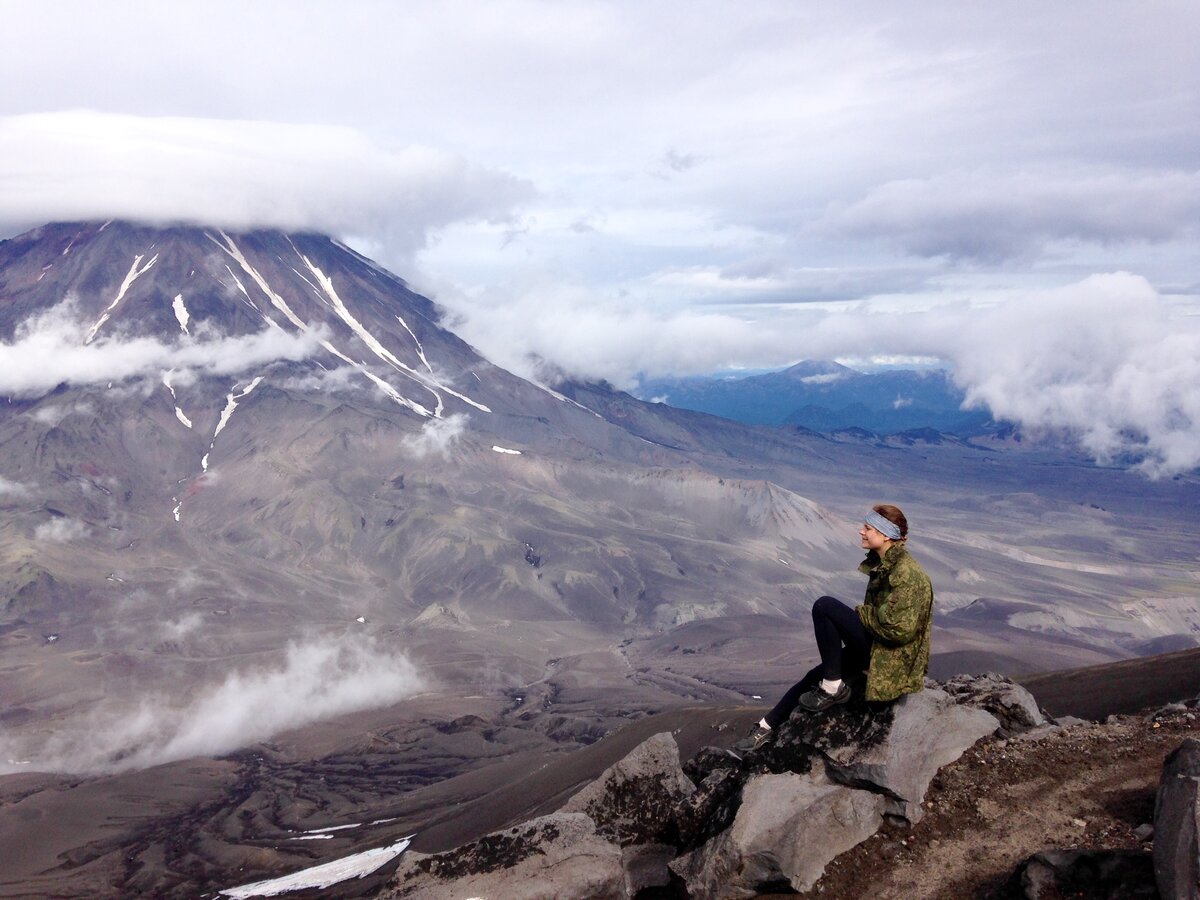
{"type": "Point", "coordinates": [1087, 786]}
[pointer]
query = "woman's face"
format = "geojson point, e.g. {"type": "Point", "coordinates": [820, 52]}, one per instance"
{"type": "Point", "coordinates": [873, 540]}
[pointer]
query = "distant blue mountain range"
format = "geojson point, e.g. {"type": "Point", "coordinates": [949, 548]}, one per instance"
{"type": "Point", "coordinates": [826, 396]}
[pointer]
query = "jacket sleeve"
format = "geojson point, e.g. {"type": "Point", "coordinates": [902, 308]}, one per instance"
{"type": "Point", "coordinates": [897, 620]}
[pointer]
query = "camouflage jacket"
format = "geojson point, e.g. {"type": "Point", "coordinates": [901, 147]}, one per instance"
{"type": "Point", "coordinates": [898, 612]}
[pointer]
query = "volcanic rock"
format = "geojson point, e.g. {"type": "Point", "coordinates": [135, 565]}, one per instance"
{"type": "Point", "coordinates": [999, 695]}
{"type": "Point", "coordinates": [636, 804]}
{"type": "Point", "coordinates": [1092, 873]}
{"type": "Point", "coordinates": [546, 858]}
{"type": "Point", "coordinates": [1176, 817]}
{"type": "Point", "coordinates": [787, 829]}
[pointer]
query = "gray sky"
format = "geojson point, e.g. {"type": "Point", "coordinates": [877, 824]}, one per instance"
{"type": "Point", "coordinates": [677, 187]}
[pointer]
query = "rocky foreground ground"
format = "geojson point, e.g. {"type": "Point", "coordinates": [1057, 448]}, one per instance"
{"type": "Point", "coordinates": [964, 790]}
{"type": "Point", "coordinates": [1088, 786]}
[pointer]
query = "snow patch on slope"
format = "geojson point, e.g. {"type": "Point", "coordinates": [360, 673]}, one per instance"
{"type": "Point", "coordinates": [338, 306]}
{"type": "Point", "coordinates": [324, 875]}
{"type": "Point", "coordinates": [181, 313]}
{"type": "Point", "coordinates": [166, 380]}
{"type": "Point", "coordinates": [231, 403]}
{"type": "Point", "coordinates": [130, 277]}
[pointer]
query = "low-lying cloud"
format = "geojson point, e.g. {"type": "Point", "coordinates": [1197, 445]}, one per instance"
{"type": "Point", "coordinates": [50, 349]}
{"type": "Point", "coordinates": [437, 436]}
{"type": "Point", "coordinates": [83, 165]}
{"type": "Point", "coordinates": [14, 490]}
{"type": "Point", "coordinates": [315, 680]}
{"type": "Point", "coordinates": [60, 531]}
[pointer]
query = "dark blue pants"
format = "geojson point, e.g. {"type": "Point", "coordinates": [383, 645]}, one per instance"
{"type": "Point", "coordinates": [845, 647]}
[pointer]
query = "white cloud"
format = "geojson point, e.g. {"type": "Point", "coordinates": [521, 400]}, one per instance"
{"type": "Point", "coordinates": [13, 489]}
{"type": "Point", "coordinates": [84, 165]}
{"type": "Point", "coordinates": [339, 379]}
{"type": "Point", "coordinates": [49, 349]}
{"type": "Point", "coordinates": [828, 378]}
{"type": "Point", "coordinates": [905, 158]}
{"type": "Point", "coordinates": [437, 436]}
{"type": "Point", "coordinates": [175, 629]}
{"type": "Point", "coordinates": [60, 530]}
{"type": "Point", "coordinates": [50, 414]}
{"type": "Point", "coordinates": [315, 680]}
{"type": "Point", "coordinates": [1102, 359]}
{"type": "Point", "coordinates": [989, 216]}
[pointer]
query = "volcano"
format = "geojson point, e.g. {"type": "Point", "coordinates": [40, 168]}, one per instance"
{"type": "Point", "coordinates": [293, 449]}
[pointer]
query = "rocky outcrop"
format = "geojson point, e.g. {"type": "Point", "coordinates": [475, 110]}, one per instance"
{"type": "Point", "coordinates": [999, 695]}
{"type": "Point", "coordinates": [1177, 824]}
{"type": "Point", "coordinates": [636, 801]}
{"type": "Point", "coordinates": [636, 804]}
{"type": "Point", "coordinates": [730, 825]}
{"type": "Point", "coordinates": [927, 731]}
{"type": "Point", "coordinates": [787, 829]}
{"type": "Point", "coordinates": [822, 787]}
{"type": "Point", "coordinates": [546, 858]}
{"type": "Point", "coordinates": [614, 838]}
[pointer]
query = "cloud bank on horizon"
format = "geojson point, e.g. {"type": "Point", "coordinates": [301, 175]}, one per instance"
{"type": "Point", "coordinates": [608, 189]}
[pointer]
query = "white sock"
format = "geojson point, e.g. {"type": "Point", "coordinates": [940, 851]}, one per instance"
{"type": "Point", "coordinates": [762, 723]}
{"type": "Point", "coordinates": [831, 687]}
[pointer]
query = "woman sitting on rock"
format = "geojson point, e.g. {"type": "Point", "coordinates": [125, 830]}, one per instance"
{"type": "Point", "coordinates": [887, 636]}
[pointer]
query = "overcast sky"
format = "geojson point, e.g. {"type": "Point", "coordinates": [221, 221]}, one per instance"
{"type": "Point", "coordinates": [668, 187]}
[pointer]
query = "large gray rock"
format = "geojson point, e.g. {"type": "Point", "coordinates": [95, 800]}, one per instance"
{"type": "Point", "coordinates": [894, 750]}
{"type": "Point", "coordinates": [928, 730]}
{"type": "Point", "coordinates": [544, 859]}
{"type": "Point", "coordinates": [640, 804]}
{"type": "Point", "coordinates": [1177, 824]}
{"type": "Point", "coordinates": [636, 801]}
{"type": "Point", "coordinates": [1014, 707]}
{"type": "Point", "coordinates": [786, 831]}
{"type": "Point", "coordinates": [1052, 874]}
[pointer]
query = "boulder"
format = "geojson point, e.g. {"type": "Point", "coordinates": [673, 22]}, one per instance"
{"type": "Point", "coordinates": [636, 801]}
{"type": "Point", "coordinates": [638, 804]}
{"type": "Point", "coordinates": [1011, 704]}
{"type": "Point", "coordinates": [1177, 824]}
{"type": "Point", "coordinates": [719, 777]}
{"type": "Point", "coordinates": [893, 750]}
{"type": "Point", "coordinates": [786, 831]}
{"type": "Point", "coordinates": [546, 858]}
{"type": "Point", "coordinates": [1052, 874]}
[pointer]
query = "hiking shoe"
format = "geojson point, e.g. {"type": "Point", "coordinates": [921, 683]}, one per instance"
{"type": "Point", "coordinates": [817, 700]}
{"type": "Point", "coordinates": [755, 740]}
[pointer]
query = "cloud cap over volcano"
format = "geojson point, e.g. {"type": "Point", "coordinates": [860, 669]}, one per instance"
{"type": "Point", "coordinates": [86, 165]}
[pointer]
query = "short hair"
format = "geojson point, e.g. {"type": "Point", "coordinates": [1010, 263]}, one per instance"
{"type": "Point", "coordinates": [893, 515]}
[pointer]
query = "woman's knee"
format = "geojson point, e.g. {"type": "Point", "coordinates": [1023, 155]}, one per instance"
{"type": "Point", "coordinates": [824, 605]}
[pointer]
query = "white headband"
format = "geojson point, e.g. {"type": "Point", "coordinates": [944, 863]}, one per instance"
{"type": "Point", "coordinates": [886, 527]}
